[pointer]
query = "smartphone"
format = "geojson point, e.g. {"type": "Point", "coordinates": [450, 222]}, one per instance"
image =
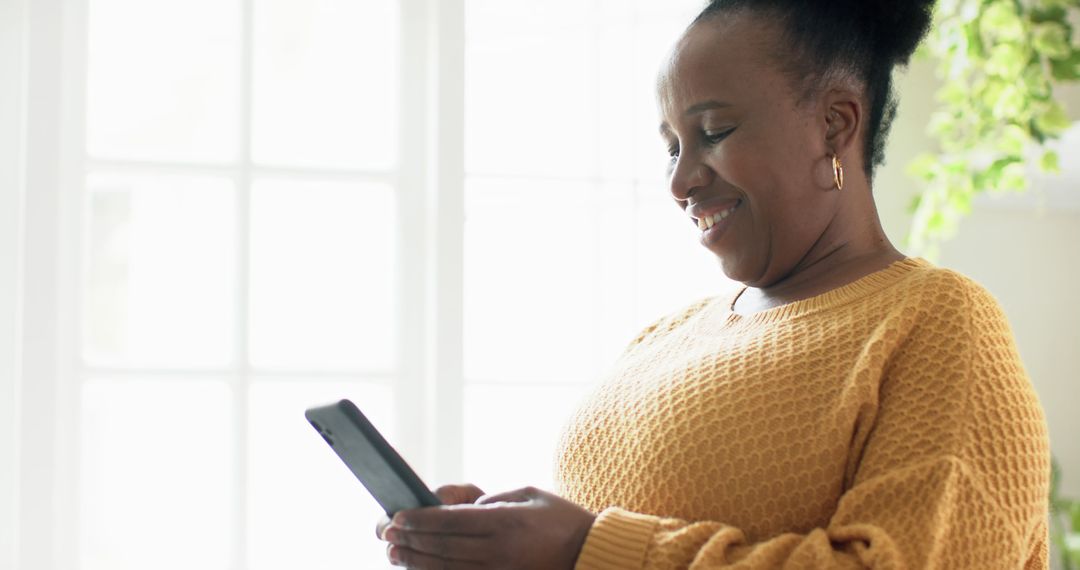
{"type": "Point", "coordinates": [383, 472]}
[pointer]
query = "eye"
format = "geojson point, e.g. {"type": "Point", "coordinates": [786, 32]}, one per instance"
{"type": "Point", "coordinates": [673, 152]}
{"type": "Point", "coordinates": [713, 138]}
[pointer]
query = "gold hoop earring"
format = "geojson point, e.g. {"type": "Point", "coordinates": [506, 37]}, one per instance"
{"type": "Point", "coordinates": [838, 172]}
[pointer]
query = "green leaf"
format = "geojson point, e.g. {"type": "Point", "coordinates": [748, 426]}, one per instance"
{"type": "Point", "coordinates": [1014, 177]}
{"type": "Point", "coordinates": [1010, 102]}
{"type": "Point", "coordinates": [953, 93]}
{"type": "Point", "coordinates": [1067, 69]}
{"type": "Point", "coordinates": [958, 166]}
{"type": "Point", "coordinates": [936, 222]}
{"type": "Point", "coordinates": [1013, 139]}
{"type": "Point", "coordinates": [941, 124]}
{"type": "Point", "coordinates": [1053, 120]}
{"type": "Point", "coordinates": [1050, 10]}
{"type": "Point", "coordinates": [990, 179]}
{"type": "Point", "coordinates": [1036, 81]}
{"type": "Point", "coordinates": [961, 201]}
{"type": "Point", "coordinates": [1051, 39]}
{"type": "Point", "coordinates": [925, 167]}
{"type": "Point", "coordinates": [1007, 60]}
{"type": "Point", "coordinates": [1001, 20]}
{"type": "Point", "coordinates": [972, 43]}
{"type": "Point", "coordinates": [969, 10]}
{"type": "Point", "coordinates": [913, 205]}
{"type": "Point", "coordinates": [1050, 162]}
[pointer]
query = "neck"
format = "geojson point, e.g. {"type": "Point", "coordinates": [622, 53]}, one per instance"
{"type": "Point", "coordinates": [853, 246]}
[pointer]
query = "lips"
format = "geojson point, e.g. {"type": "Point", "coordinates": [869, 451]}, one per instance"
{"type": "Point", "coordinates": [707, 214]}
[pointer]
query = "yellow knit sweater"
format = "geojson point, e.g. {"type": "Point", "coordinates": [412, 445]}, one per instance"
{"type": "Point", "coordinates": [885, 424]}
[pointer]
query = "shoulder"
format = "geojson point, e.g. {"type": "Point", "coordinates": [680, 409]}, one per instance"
{"type": "Point", "coordinates": [949, 301]}
{"type": "Point", "coordinates": [941, 290]}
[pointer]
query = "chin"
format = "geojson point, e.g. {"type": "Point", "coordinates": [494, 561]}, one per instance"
{"type": "Point", "coordinates": [749, 271]}
{"type": "Point", "coordinates": [733, 267]}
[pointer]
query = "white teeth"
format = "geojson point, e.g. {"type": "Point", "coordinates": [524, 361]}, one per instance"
{"type": "Point", "coordinates": [710, 221]}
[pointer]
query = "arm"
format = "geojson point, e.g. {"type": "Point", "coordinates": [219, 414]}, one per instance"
{"type": "Point", "coordinates": [952, 472]}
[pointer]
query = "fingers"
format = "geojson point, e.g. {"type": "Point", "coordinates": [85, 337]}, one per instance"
{"type": "Point", "coordinates": [467, 520]}
{"type": "Point", "coordinates": [458, 494]}
{"type": "Point", "coordinates": [522, 495]}
{"type": "Point", "coordinates": [380, 527]}
{"type": "Point", "coordinates": [402, 556]}
{"type": "Point", "coordinates": [442, 546]}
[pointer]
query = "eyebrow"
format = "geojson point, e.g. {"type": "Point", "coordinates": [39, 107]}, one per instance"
{"type": "Point", "coordinates": [696, 109]}
{"type": "Point", "coordinates": [705, 106]}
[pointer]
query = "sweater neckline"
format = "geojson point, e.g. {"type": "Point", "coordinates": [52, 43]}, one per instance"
{"type": "Point", "coordinates": [859, 288]}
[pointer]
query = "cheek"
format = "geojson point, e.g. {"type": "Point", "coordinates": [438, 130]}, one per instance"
{"type": "Point", "coordinates": [751, 168]}
{"type": "Point", "coordinates": [784, 203]}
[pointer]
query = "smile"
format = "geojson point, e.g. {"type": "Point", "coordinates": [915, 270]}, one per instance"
{"type": "Point", "coordinates": [706, 223]}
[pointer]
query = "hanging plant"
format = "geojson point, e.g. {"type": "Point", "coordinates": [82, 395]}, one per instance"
{"type": "Point", "coordinates": [1064, 523]}
{"type": "Point", "coordinates": [999, 62]}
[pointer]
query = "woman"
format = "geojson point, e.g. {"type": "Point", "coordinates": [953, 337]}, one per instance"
{"type": "Point", "coordinates": [849, 408]}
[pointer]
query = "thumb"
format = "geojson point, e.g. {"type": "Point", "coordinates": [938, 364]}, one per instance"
{"type": "Point", "coordinates": [522, 495]}
{"type": "Point", "coordinates": [458, 494]}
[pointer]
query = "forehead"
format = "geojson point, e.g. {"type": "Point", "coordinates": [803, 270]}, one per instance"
{"type": "Point", "coordinates": [728, 58]}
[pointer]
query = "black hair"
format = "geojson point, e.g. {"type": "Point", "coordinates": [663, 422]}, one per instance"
{"type": "Point", "coordinates": [864, 38]}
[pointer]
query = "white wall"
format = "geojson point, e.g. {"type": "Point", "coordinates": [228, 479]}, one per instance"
{"type": "Point", "coordinates": [1029, 259]}
{"type": "Point", "coordinates": [12, 51]}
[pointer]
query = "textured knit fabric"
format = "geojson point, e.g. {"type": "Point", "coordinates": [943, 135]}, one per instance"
{"type": "Point", "coordinates": [885, 424]}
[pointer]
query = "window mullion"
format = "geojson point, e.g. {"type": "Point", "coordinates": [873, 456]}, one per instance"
{"type": "Point", "coordinates": [241, 379]}
{"type": "Point", "coordinates": [447, 199]}
{"type": "Point", "coordinates": [412, 252]}
{"type": "Point", "coordinates": [69, 264]}
{"type": "Point", "coordinates": [12, 138]}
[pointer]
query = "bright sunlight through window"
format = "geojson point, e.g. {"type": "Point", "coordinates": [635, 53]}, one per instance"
{"type": "Point", "coordinates": [251, 245]}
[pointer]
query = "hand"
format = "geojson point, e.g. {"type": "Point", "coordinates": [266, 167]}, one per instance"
{"type": "Point", "coordinates": [526, 529]}
{"type": "Point", "coordinates": [448, 494]}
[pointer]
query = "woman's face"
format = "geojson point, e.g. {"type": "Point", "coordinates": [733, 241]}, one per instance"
{"type": "Point", "coordinates": [744, 150]}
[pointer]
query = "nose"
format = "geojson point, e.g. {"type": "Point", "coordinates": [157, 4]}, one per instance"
{"type": "Point", "coordinates": [687, 175]}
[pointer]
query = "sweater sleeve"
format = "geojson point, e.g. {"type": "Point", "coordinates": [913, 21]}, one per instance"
{"type": "Point", "coordinates": [950, 470]}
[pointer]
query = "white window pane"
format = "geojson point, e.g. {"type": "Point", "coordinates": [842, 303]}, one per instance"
{"type": "Point", "coordinates": [325, 78]}
{"type": "Point", "coordinates": [322, 275]}
{"type": "Point", "coordinates": [530, 279]}
{"type": "Point", "coordinates": [511, 433]}
{"type": "Point", "coordinates": [660, 23]}
{"type": "Point", "coordinates": [157, 475]}
{"type": "Point", "coordinates": [674, 269]}
{"type": "Point", "coordinates": [305, 508]}
{"type": "Point", "coordinates": [159, 288]}
{"type": "Point", "coordinates": [617, 235]}
{"type": "Point", "coordinates": [570, 88]}
{"type": "Point", "coordinates": [164, 79]}
{"type": "Point", "coordinates": [530, 88]}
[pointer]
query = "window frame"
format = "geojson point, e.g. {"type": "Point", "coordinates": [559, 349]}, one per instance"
{"type": "Point", "coordinates": [13, 24]}
{"type": "Point", "coordinates": [429, 178]}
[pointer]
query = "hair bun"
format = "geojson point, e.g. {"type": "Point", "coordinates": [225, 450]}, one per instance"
{"type": "Point", "coordinates": [898, 25]}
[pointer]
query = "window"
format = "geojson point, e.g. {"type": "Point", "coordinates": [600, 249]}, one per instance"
{"type": "Point", "coordinates": [253, 240]}
{"type": "Point", "coordinates": [572, 243]}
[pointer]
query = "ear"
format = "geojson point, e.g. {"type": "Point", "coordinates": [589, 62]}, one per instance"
{"type": "Point", "coordinates": [843, 114]}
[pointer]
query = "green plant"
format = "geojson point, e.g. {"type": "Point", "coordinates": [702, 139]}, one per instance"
{"type": "Point", "coordinates": [999, 61]}
{"type": "Point", "coordinates": [1064, 523]}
